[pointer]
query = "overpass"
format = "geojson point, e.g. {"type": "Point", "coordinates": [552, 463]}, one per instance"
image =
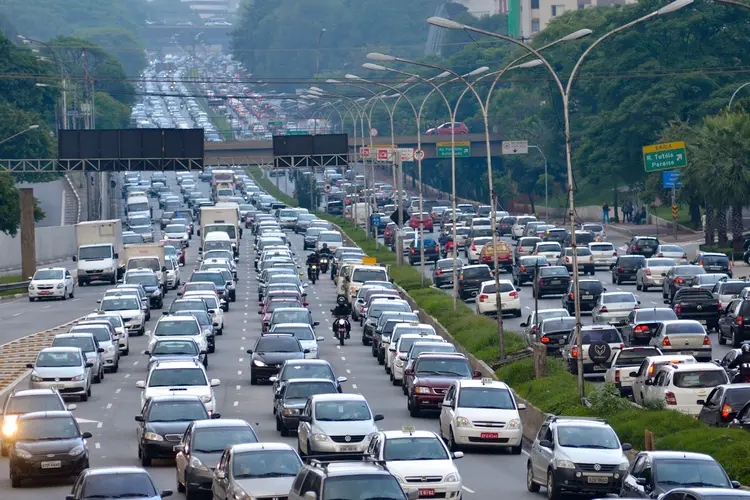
{"type": "Point", "coordinates": [467, 145]}
{"type": "Point", "coordinates": [160, 35]}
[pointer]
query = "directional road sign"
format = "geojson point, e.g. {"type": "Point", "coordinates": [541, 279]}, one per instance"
{"type": "Point", "coordinates": [515, 147]}
{"type": "Point", "coordinates": [664, 156]}
{"type": "Point", "coordinates": [297, 132]}
{"type": "Point", "coordinates": [675, 211]}
{"type": "Point", "coordinates": [364, 153]}
{"type": "Point", "coordinates": [276, 124]}
{"type": "Point", "coordinates": [462, 149]}
{"type": "Point", "coordinates": [419, 154]}
{"type": "Point", "coordinates": [407, 154]}
{"type": "Point", "coordinates": [671, 179]}
{"type": "Point", "coordinates": [384, 154]}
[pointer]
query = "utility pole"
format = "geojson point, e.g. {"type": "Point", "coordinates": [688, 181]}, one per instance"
{"type": "Point", "coordinates": [28, 233]}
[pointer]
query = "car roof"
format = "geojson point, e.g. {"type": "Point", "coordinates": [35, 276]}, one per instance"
{"type": "Point", "coordinates": [70, 335]}
{"type": "Point", "coordinates": [409, 433]}
{"type": "Point", "coordinates": [176, 318]}
{"type": "Point", "coordinates": [309, 380]}
{"type": "Point", "coordinates": [51, 269]}
{"type": "Point", "coordinates": [308, 362]}
{"type": "Point", "coordinates": [34, 392]}
{"type": "Point", "coordinates": [679, 454]}
{"type": "Point", "coordinates": [338, 397]}
{"type": "Point", "coordinates": [61, 348]}
{"type": "Point", "coordinates": [224, 422]}
{"type": "Point", "coordinates": [125, 469]}
{"type": "Point", "coordinates": [249, 447]}
{"type": "Point", "coordinates": [495, 384]}
{"type": "Point", "coordinates": [171, 397]}
{"type": "Point", "coordinates": [693, 366]}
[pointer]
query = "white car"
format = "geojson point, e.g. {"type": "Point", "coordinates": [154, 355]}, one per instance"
{"type": "Point", "coordinates": [214, 307]}
{"type": "Point", "coordinates": [118, 324]}
{"type": "Point", "coordinates": [685, 387]}
{"type": "Point", "coordinates": [179, 326]}
{"type": "Point", "coordinates": [605, 254]}
{"type": "Point", "coordinates": [652, 273]}
{"type": "Point", "coordinates": [51, 283]}
{"type": "Point", "coordinates": [129, 307]}
{"type": "Point", "coordinates": [304, 333]}
{"type": "Point", "coordinates": [187, 377]}
{"type": "Point", "coordinates": [550, 250]}
{"type": "Point", "coordinates": [331, 238]}
{"type": "Point", "coordinates": [643, 377]}
{"type": "Point", "coordinates": [613, 308]}
{"type": "Point", "coordinates": [624, 363]}
{"type": "Point", "coordinates": [520, 225]}
{"type": "Point", "coordinates": [481, 413]}
{"type": "Point", "coordinates": [462, 234]}
{"type": "Point", "coordinates": [414, 456]}
{"type": "Point", "coordinates": [177, 232]}
{"type": "Point", "coordinates": [510, 300]}
{"type": "Point", "coordinates": [102, 332]}
{"type": "Point", "coordinates": [473, 251]}
{"type": "Point", "coordinates": [675, 252]}
{"type": "Point", "coordinates": [173, 272]}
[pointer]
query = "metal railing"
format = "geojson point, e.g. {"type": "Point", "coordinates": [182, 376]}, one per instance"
{"type": "Point", "coordinates": [20, 285]}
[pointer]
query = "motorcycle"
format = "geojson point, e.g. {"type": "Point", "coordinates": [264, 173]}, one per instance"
{"type": "Point", "coordinates": [312, 272]}
{"type": "Point", "coordinates": [340, 329]}
{"type": "Point", "coordinates": [324, 264]}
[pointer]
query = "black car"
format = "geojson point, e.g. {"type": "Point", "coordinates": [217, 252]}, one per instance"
{"type": "Point", "coordinates": [589, 291]}
{"type": "Point", "coordinates": [47, 444]}
{"type": "Point", "coordinates": [384, 328]}
{"type": "Point", "coordinates": [643, 323]}
{"type": "Point", "coordinates": [554, 332]}
{"type": "Point", "coordinates": [162, 423]}
{"type": "Point", "coordinates": [525, 267]}
{"type": "Point", "coordinates": [643, 245]}
{"type": "Point", "coordinates": [442, 273]}
{"type": "Point", "coordinates": [723, 404]}
{"type": "Point", "coordinates": [270, 352]}
{"type": "Point", "coordinates": [714, 263]}
{"type": "Point", "coordinates": [471, 279]}
{"type": "Point", "coordinates": [583, 238]}
{"type": "Point", "coordinates": [552, 280]}
{"type": "Point", "coordinates": [150, 284]}
{"type": "Point", "coordinates": [732, 325]}
{"type": "Point", "coordinates": [115, 482]}
{"type": "Point", "coordinates": [654, 473]}
{"type": "Point", "coordinates": [626, 267]}
{"type": "Point", "coordinates": [290, 400]}
{"type": "Point", "coordinates": [200, 451]}
{"type": "Point", "coordinates": [306, 368]}
{"type": "Point", "coordinates": [28, 401]}
{"type": "Point", "coordinates": [557, 234]}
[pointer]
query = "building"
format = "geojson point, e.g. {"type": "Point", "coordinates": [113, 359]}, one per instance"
{"type": "Point", "coordinates": [535, 15]}
{"type": "Point", "coordinates": [211, 9]}
{"type": "Point", "coordinates": [479, 8]}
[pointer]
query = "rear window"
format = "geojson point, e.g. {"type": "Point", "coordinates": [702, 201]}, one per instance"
{"type": "Point", "coordinates": [553, 271]}
{"type": "Point", "coordinates": [609, 336]}
{"type": "Point", "coordinates": [522, 221]}
{"type": "Point", "coordinates": [558, 324]}
{"type": "Point", "coordinates": [529, 242]}
{"type": "Point", "coordinates": [693, 294]}
{"type": "Point", "coordinates": [478, 233]}
{"type": "Point", "coordinates": [737, 397]}
{"type": "Point", "coordinates": [481, 241]}
{"type": "Point", "coordinates": [631, 261]}
{"type": "Point", "coordinates": [635, 357]}
{"type": "Point", "coordinates": [614, 298]}
{"type": "Point", "coordinates": [548, 247]}
{"type": "Point", "coordinates": [647, 242]}
{"type": "Point", "coordinates": [685, 328]}
{"type": "Point", "coordinates": [660, 262]}
{"type": "Point", "coordinates": [504, 287]}
{"type": "Point", "coordinates": [602, 247]}
{"type": "Point", "coordinates": [696, 379]}
{"type": "Point", "coordinates": [733, 288]}
{"type": "Point", "coordinates": [655, 315]}
{"type": "Point", "coordinates": [448, 264]}
{"type": "Point", "coordinates": [597, 228]}
{"type": "Point", "coordinates": [475, 272]}
{"type": "Point", "coordinates": [688, 270]}
{"type": "Point", "coordinates": [591, 286]}
{"type": "Point", "coordinates": [714, 260]}
{"type": "Point", "coordinates": [584, 238]}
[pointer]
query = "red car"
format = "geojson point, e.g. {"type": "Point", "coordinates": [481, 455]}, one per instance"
{"type": "Point", "coordinates": [445, 129]}
{"type": "Point", "coordinates": [424, 219]}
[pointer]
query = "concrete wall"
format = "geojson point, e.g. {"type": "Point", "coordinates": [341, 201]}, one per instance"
{"type": "Point", "coordinates": [52, 244]}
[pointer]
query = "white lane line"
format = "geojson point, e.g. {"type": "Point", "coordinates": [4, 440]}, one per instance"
{"type": "Point", "coordinates": [354, 386]}
{"type": "Point", "coordinates": [348, 370]}
{"type": "Point", "coordinates": [240, 360]}
{"type": "Point", "coordinates": [135, 363]}
{"type": "Point", "coordinates": [239, 372]}
{"type": "Point", "coordinates": [619, 289]}
{"type": "Point", "coordinates": [653, 302]}
{"type": "Point", "coordinates": [525, 453]}
{"type": "Point", "coordinates": [17, 314]}
{"type": "Point", "coordinates": [109, 406]}
{"type": "Point", "coordinates": [236, 403]}
{"type": "Point", "coordinates": [239, 387]}
{"type": "Point", "coordinates": [343, 358]}
{"type": "Point", "coordinates": [243, 338]}
{"type": "Point", "coordinates": [327, 319]}
{"type": "Point", "coordinates": [97, 445]}
{"type": "Point", "coordinates": [245, 306]}
{"type": "Point", "coordinates": [127, 375]}
{"type": "Point", "coordinates": [467, 490]}
{"type": "Point", "coordinates": [46, 307]}
{"type": "Point", "coordinates": [100, 425]}
{"type": "Point", "coordinates": [117, 391]}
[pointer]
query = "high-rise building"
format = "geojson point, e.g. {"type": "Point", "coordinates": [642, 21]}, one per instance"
{"type": "Point", "coordinates": [535, 15]}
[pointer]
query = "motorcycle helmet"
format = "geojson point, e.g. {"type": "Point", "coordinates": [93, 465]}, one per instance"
{"type": "Point", "coordinates": [340, 301]}
{"type": "Point", "coordinates": [325, 245]}
{"type": "Point", "coordinates": [745, 348]}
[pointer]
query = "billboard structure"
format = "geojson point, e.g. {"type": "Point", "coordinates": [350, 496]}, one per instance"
{"type": "Point", "coordinates": [323, 150]}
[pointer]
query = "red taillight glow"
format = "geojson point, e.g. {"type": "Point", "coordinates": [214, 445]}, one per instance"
{"type": "Point", "coordinates": [678, 309]}
{"type": "Point", "coordinates": [680, 280]}
{"type": "Point", "coordinates": [739, 320]}
{"type": "Point", "coordinates": [640, 329]}
{"type": "Point", "coordinates": [474, 247]}
{"type": "Point", "coordinates": [621, 269]}
{"type": "Point", "coordinates": [617, 376]}
{"type": "Point", "coordinates": [545, 340]}
{"type": "Point", "coordinates": [523, 269]}
{"type": "Point", "coordinates": [648, 272]}
{"type": "Point", "coordinates": [513, 295]}
{"type": "Point", "coordinates": [603, 309]}
{"type": "Point", "coordinates": [725, 411]}
{"type": "Point", "coordinates": [660, 255]}
{"type": "Point", "coordinates": [571, 296]}
{"type": "Point", "coordinates": [614, 254]}
{"type": "Point", "coordinates": [706, 340]}
{"type": "Point", "coordinates": [666, 342]}
{"type": "Point", "coordinates": [438, 272]}
{"type": "Point", "coordinates": [574, 351]}
{"type": "Point", "coordinates": [483, 297]}
{"type": "Point", "coordinates": [670, 398]}
{"type": "Point", "coordinates": [567, 260]}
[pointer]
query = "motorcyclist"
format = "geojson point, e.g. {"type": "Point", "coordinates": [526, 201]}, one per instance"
{"type": "Point", "coordinates": [325, 251]}
{"type": "Point", "coordinates": [342, 310]}
{"type": "Point", "coordinates": [743, 363]}
{"type": "Point", "coordinates": [313, 260]}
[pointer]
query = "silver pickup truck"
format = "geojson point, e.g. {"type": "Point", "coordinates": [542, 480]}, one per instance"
{"type": "Point", "coordinates": [624, 362]}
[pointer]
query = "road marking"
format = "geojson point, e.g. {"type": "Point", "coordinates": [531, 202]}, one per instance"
{"type": "Point", "coordinates": [17, 314]}
{"type": "Point", "coordinates": [239, 387]}
{"type": "Point", "coordinates": [100, 425]}
{"type": "Point", "coordinates": [343, 358]}
{"type": "Point", "coordinates": [619, 289]}
{"type": "Point", "coordinates": [236, 403]}
{"type": "Point", "coordinates": [118, 391]}
{"type": "Point", "coordinates": [46, 307]}
{"type": "Point", "coordinates": [109, 405]}
{"type": "Point", "coordinates": [348, 370]}
{"type": "Point", "coordinates": [97, 445]}
{"type": "Point", "coordinates": [525, 453]}
{"type": "Point", "coordinates": [239, 372]}
{"type": "Point", "coordinates": [127, 375]}
{"type": "Point", "coordinates": [467, 490]}
{"type": "Point", "coordinates": [240, 358]}
{"type": "Point", "coordinates": [135, 363]}
{"type": "Point", "coordinates": [354, 386]}
{"type": "Point", "coordinates": [243, 338]}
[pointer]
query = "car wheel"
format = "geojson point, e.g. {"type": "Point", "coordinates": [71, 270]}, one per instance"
{"type": "Point", "coordinates": [126, 351]}
{"type": "Point", "coordinates": [553, 491]}
{"type": "Point", "coordinates": [97, 378]}
{"type": "Point", "coordinates": [722, 338]}
{"type": "Point", "coordinates": [284, 431]}
{"type": "Point", "coordinates": [31, 299]}
{"type": "Point", "coordinates": [253, 379]}
{"type": "Point", "coordinates": [145, 461]}
{"type": "Point", "coordinates": [516, 450]}
{"type": "Point", "coordinates": [452, 441]}
{"type": "Point", "coordinates": [644, 287]}
{"type": "Point", "coordinates": [85, 396]}
{"type": "Point", "coordinates": [116, 367]}
{"type": "Point", "coordinates": [88, 392]}
{"type": "Point", "coordinates": [64, 296]}
{"type": "Point", "coordinates": [15, 480]}
{"type": "Point", "coordinates": [72, 293]}
{"type": "Point", "coordinates": [735, 340]}
{"type": "Point", "coordinates": [413, 409]}
{"type": "Point", "coordinates": [403, 389]}
{"type": "Point", "coordinates": [638, 286]}
{"type": "Point", "coordinates": [530, 484]}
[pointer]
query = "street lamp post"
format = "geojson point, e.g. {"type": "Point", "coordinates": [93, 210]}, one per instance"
{"type": "Point", "coordinates": [27, 129]}
{"type": "Point", "coordinates": [565, 94]}
{"type": "Point", "coordinates": [317, 51]}
{"type": "Point", "coordinates": [734, 94]}
{"type": "Point", "coordinates": [63, 78]}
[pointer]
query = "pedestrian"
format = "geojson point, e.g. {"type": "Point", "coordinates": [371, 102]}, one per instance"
{"type": "Point", "coordinates": [643, 215]}
{"type": "Point", "coordinates": [627, 211]}
{"type": "Point", "coordinates": [605, 213]}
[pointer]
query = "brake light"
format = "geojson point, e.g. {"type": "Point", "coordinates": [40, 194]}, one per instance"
{"type": "Point", "coordinates": [603, 309]}
{"type": "Point", "coordinates": [680, 280]}
{"type": "Point", "coordinates": [571, 296]}
{"type": "Point", "coordinates": [438, 272]}
{"type": "Point", "coordinates": [523, 269]}
{"type": "Point", "coordinates": [641, 329]}
{"type": "Point", "coordinates": [567, 259]}
{"type": "Point", "coordinates": [730, 266]}
{"type": "Point", "coordinates": [541, 283]}
{"type": "Point", "coordinates": [614, 254]}
{"type": "Point", "coordinates": [666, 342]}
{"type": "Point", "coordinates": [617, 376]}
{"type": "Point", "coordinates": [660, 255]}
{"type": "Point", "coordinates": [537, 252]}
{"type": "Point", "coordinates": [719, 304]}
{"type": "Point", "coordinates": [513, 295]}
{"type": "Point", "coordinates": [670, 398]}
{"type": "Point", "coordinates": [739, 320]}
{"type": "Point", "coordinates": [621, 269]}
{"type": "Point", "coordinates": [678, 309]}
{"type": "Point", "coordinates": [544, 340]}
{"type": "Point", "coordinates": [591, 259]}
{"type": "Point", "coordinates": [574, 351]}
{"type": "Point", "coordinates": [474, 247]}
{"type": "Point", "coordinates": [648, 272]}
{"type": "Point", "coordinates": [483, 297]}
{"type": "Point", "coordinates": [706, 340]}
{"type": "Point", "coordinates": [725, 411]}
{"type": "Point", "coordinates": [412, 250]}
{"type": "Point", "coordinates": [635, 248]}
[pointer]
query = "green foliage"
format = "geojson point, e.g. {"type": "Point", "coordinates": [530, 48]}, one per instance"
{"type": "Point", "coordinates": [121, 43]}
{"type": "Point", "coordinates": [111, 113]}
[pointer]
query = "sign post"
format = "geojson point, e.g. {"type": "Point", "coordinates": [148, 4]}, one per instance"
{"type": "Point", "coordinates": [364, 153]}
{"type": "Point", "coordinates": [664, 156]}
{"type": "Point", "coordinates": [515, 147]}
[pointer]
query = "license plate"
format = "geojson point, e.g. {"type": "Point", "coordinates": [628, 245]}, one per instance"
{"type": "Point", "coordinates": [697, 353]}
{"type": "Point", "coordinates": [600, 368]}
{"type": "Point", "coordinates": [702, 322]}
{"type": "Point", "coordinates": [94, 276]}
{"type": "Point", "coordinates": [598, 480]}
{"type": "Point", "coordinates": [587, 297]}
{"type": "Point", "coordinates": [556, 282]}
{"type": "Point", "coordinates": [44, 292]}
{"type": "Point", "coordinates": [348, 448]}
{"type": "Point", "coordinates": [58, 386]}
{"type": "Point", "coordinates": [426, 492]}
{"type": "Point", "coordinates": [488, 435]}
{"type": "Point", "coordinates": [52, 465]}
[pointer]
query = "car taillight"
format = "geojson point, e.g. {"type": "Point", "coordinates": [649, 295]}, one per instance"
{"type": "Point", "coordinates": [483, 297]}
{"type": "Point", "coordinates": [640, 329]}
{"type": "Point", "coordinates": [725, 411]}
{"type": "Point", "coordinates": [438, 272]}
{"type": "Point", "coordinates": [567, 260]}
{"type": "Point", "coordinates": [678, 309]}
{"type": "Point", "coordinates": [636, 307]}
{"type": "Point", "coordinates": [719, 304]}
{"type": "Point", "coordinates": [591, 259]}
{"type": "Point", "coordinates": [621, 269]}
{"type": "Point", "coordinates": [603, 309]}
{"type": "Point", "coordinates": [660, 255]}
{"type": "Point", "coordinates": [513, 295]}
{"type": "Point", "coordinates": [544, 340]}
{"type": "Point", "coordinates": [670, 398]}
{"type": "Point", "coordinates": [706, 340]}
{"type": "Point", "coordinates": [536, 253]}
{"type": "Point", "coordinates": [666, 342]}
{"type": "Point", "coordinates": [473, 247]}
{"type": "Point", "coordinates": [523, 269]}
{"type": "Point", "coordinates": [739, 320]}
{"type": "Point", "coordinates": [648, 272]}
{"type": "Point", "coordinates": [533, 330]}
{"type": "Point", "coordinates": [541, 283]}
{"type": "Point", "coordinates": [635, 248]}
{"type": "Point", "coordinates": [574, 351]}
{"type": "Point", "coordinates": [679, 280]}
{"type": "Point", "coordinates": [730, 266]}
{"type": "Point", "coordinates": [614, 254]}
{"type": "Point", "coordinates": [571, 296]}
{"type": "Point", "coordinates": [617, 376]}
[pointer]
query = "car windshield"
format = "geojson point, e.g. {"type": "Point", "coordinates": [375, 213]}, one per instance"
{"type": "Point", "coordinates": [416, 350]}
{"type": "Point", "coordinates": [443, 367]}
{"type": "Point", "coordinates": [48, 428]}
{"type": "Point", "coordinates": [596, 437]}
{"type": "Point", "coordinates": [171, 411]}
{"type": "Point", "coordinates": [610, 336]}
{"type": "Point", "coordinates": [553, 313]}
{"type": "Point", "coordinates": [330, 237]}
{"type": "Point", "coordinates": [49, 274]}
{"type": "Point", "coordinates": [144, 263]}
{"type": "Point", "coordinates": [175, 328]}
{"type": "Point", "coordinates": [291, 316]}
{"type": "Point", "coordinates": [363, 487]}
{"type": "Point", "coordinates": [177, 377]}
{"type": "Point", "coordinates": [95, 253]}
{"type": "Point", "coordinates": [131, 239]}
{"type": "Point", "coordinates": [635, 357]}
{"type": "Point", "coordinates": [142, 279]}
{"type": "Point", "coordinates": [378, 309]}
{"type": "Point", "coordinates": [662, 314]}
{"type": "Point", "coordinates": [613, 298]}
{"type": "Point", "coordinates": [100, 333]}
{"type": "Point", "coordinates": [19, 405]}
{"type": "Point", "coordinates": [688, 270]}
{"type": "Point", "coordinates": [685, 473]}
{"type": "Point", "coordinates": [53, 359]}
{"type": "Point", "coordinates": [222, 228]}
{"type": "Point", "coordinates": [529, 242]}
{"type": "Point", "coordinates": [217, 439]}
{"type": "Point", "coordinates": [548, 247]}
{"type": "Point", "coordinates": [601, 247]}
{"type": "Point", "coordinates": [362, 275]}
{"type": "Point", "coordinates": [715, 260]}
{"type": "Point", "coordinates": [505, 286]}
{"type": "Point", "coordinates": [265, 464]}
{"type": "Point", "coordinates": [486, 397]}
{"type": "Point", "coordinates": [699, 379]}
{"type": "Point", "coordinates": [303, 390]}
{"type": "Point", "coordinates": [276, 304]}
{"type": "Point", "coordinates": [86, 344]}
{"type": "Point", "coordinates": [733, 288]}
{"type": "Point", "coordinates": [302, 332]}
{"type": "Point", "coordinates": [192, 287]}
{"type": "Point", "coordinates": [476, 272]}
{"type": "Point", "coordinates": [338, 411]}
{"type": "Point", "coordinates": [286, 343]}
{"type": "Point", "coordinates": [414, 448]}
{"type": "Point", "coordinates": [597, 228]}
{"type": "Point", "coordinates": [175, 348]}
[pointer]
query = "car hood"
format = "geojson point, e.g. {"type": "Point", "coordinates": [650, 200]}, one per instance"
{"type": "Point", "coordinates": [295, 403]}
{"type": "Point", "coordinates": [58, 372]}
{"type": "Point", "coordinates": [150, 288]}
{"type": "Point", "coordinates": [162, 428]}
{"type": "Point", "coordinates": [51, 446]}
{"type": "Point", "coordinates": [273, 358]}
{"type": "Point", "coordinates": [588, 455]}
{"type": "Point", "coordinates": [47, 282]}
{"type": "Point", "coordinates": [266, 487]}
{"type": "Point", "coordinates": [129, 314]}
{"type": "Point", "coordinates": [438, 382]}
{"type": "Point", "coordinates": [210, 460]}
{"type": "Point", "coordinates": [405, 468]}
{"type": "Point", "coordinates": [339, 428]}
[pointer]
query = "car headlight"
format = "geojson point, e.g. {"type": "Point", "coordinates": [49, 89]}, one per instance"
{"type": "Point", "coordinates": [453, 477]}
{"type": "Point", "coordinates": [9, 425]}
{"type": "Point", "coordinates": [60, 286]}
{"type": "Point", "coordinates": [399, 478]}
{"type": "Point", "coordinates": [625, 465]}
{"type": "Point", "coordinates": [320, 437]}
{"type": "Point", "coordinates": [77, 450]}
{"type": "Point", "coordinates": [208, 332]}
{"type": "Point", "coordinates": [462, 422]}
{"type": "Point", "coordinates": [23, 454]}
{"type": "Point", "coordinates": [36, 378]}
{"type": "Point", "coordinates": [258, 363]}
{"type": "Point", "coordinates": [197, 464]}
{"type": "Point", "coordinates": [291, 411]}
{"type": "Point", "coordinates": [152, 436]}
{"type": "Point", "coordinates": [31, 286]}
{"type": "Point", "coordinates": [513, 424]}
{"type": "Point", "coordinates": [422, 390]}
{"type": "Point", "coordinates": [77, 378]}
{"type": "Point", "coordinates": [565, 464]}
{"type": "Point", "coordinates": [207, 399]}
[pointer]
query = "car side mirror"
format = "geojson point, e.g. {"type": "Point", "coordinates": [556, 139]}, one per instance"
{"type": "Point", "coordinates": [524, 325]}
{"type": "Point", "coordinates": [521, 406]}
{"type": "Point", "coordinates": [664, 274]}
{"type": "Point", "coordinates": [215, 382]}
{"type": "Point", "coordinates": [89, 365]}
{"type": "Point", "coordinates": [305, 304]}
{"type": "Point", "coordinates": [179, 294]}
{"type": "Point", "coordinates": [409, 371]}
{"type": "Point", "coordinates": [273, 379]}
{"type": "Point", "coordinates": [667, 301]}
{"type": "Point", "coordinates": [648, 382]}
{"type": "Point", "coordinates": [277, 395]}
{"type": "Point", "coordinates": [70, 497]}
{"type": "Point", "coordinates": [320, 339]}
{"type": "Point", "coordinates": [220, 475]}
{"type": "Point", "coordinates": [544, 443]}
{"type": "Point", "coordinates": [30, 366]}
{"type": "Point", "coordinates": [736, 484]}
{"type": "Point", "coordinates": [627, 446]}
{"type": "Point", "coordinates": [305, 418]}
{"type": "Point", "coordinates": [203, 352]}
{"type": "Point", "coordinates": [341, 379]}
{"type": "Point", "coordinates": [87, 435]}
{"type": "Point", "coordinates": [458, 454]}
{"type": "Point", "coordinates": [260, 312]}
{"type": "Point", "coordinates": [164, 269]}
{"type": "Point", "coordinates": [316, 323]}
{"type": "Point", "coordinates": [701, 402]}
{"type": "Point", "coordinates": [215, 416]}
{"type": "Point", "coordinates": [71, 407]}
{"type": "Point", "coordinates": [249, 351]}
{"type": "Point", "coordinates": [476, 374]}
{"type": "Point", "coordinates": [100, 350]}
{"type": "Point", "coordinates": [139, 418]}
{"type": "Point", "coordinates": [306, 351]}
{"type": "Point", "coordinates": [141, 384]}
{"type": "Point", "coordinates": [378, 417]}
{"type": "Point", "coordinates": [74, 259]}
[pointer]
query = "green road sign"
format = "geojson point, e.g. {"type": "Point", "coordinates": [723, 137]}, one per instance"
{"type": "Point", "coordinates": [297, 132]}
{"type": "Point", "coordinates": [664, 156]}
{"type": "Point", "coordinates": [463, 149]}
{"type": "Point", "coordinates": [276, 124]}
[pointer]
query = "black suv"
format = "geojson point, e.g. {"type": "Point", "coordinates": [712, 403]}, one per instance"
{"type": "Point", "coordinates": [643, 245]}
{"type": "Point", "coordinates": [626, 268]}
{"type": "Point", "coordinates": [714, 263]}
{"type": "Point", "coordinates": [734, 323]}
{"type": "Point", "coordinates": [471, 279]}
{"type": "Point", "coordinates": [270, 352]}
{"type": "Point", "coordinates": [552, 280]}
{"type": "Point", "coordinates": [524, 268]}
{"type": "Point", "coordinates": [583, 238]}
{"type": "Point", "coordinates": [589, 290]}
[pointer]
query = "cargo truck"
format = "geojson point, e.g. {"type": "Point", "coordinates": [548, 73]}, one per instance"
{"type": "Point", "coordinates": [223, 219]}
{"type": "Point", "coordinates": [147, 256]}
{"type": "Point", "coordinates": [100, 251]}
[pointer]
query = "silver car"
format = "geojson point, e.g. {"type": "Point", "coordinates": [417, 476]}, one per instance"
{"type": "Point", "coordinates": [675, 252]}
{"type": "Point", "coordinates": [107, 338]}
{"type": "Point", "coordinates": [64, 369]}
{"type": "Point", "coordinates": [118, 324]}
{"type": "Point", "coordinates": [652, 273]}
{"type": "Point", "coordinates": [614, 308]}
{"type": "Point", "coordinates": [90, 347]}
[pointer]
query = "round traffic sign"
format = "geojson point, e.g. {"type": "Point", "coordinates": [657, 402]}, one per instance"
{"type": "Point", "coordinates": [373, 131]}
{"type": "Point", "coordinates": [327, 188]}
{"type": "Point", "coordinates": [419, 155]}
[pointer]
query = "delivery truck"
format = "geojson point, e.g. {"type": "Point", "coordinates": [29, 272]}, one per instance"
{"type": "Point", "coordinates": [100, 251]}
{"type": "Point", "coordinates": [147, 256]}
{"type": "Point", "coordinates": [224, 219]}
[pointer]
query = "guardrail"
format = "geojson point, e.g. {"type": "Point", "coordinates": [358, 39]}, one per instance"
{"type": "Point", "coordinates": [19, 285]}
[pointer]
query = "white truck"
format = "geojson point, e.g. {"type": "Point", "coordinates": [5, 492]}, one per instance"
{"type": "Point", "coordinates": [360, 213]}
{"type": "Point", "coordinates": [148, 256]}
{"type": "Point", "coordinates": [223, 219]}
{"type": "Point", "coordinates": [100, 251]}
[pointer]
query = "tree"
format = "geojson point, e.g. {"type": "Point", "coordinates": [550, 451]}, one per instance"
{"type": "Point", "coordinates": [111, 113]}
{"type": "Point", "coordinates": [121, 43]}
